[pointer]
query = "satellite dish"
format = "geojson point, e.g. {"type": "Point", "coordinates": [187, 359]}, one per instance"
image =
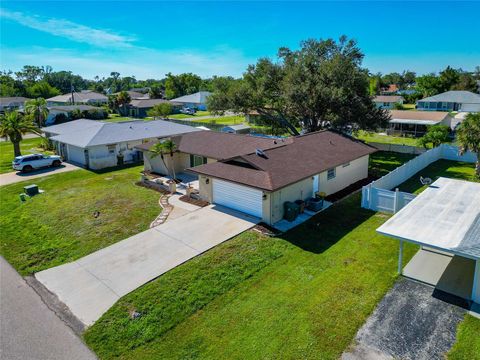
{"type": "Point", "coordinates": [425, 181]}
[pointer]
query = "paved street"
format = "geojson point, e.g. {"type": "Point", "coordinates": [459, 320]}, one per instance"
{"type": "Point", "coordinates": [92, 284]}
{"type": "Point", "coordinates": [16, 176]}
{"type": "Point", "coordinates": [28, 329]}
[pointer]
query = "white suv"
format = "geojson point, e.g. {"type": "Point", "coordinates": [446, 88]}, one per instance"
{"type": "Point", "coordinates": [28, 163]}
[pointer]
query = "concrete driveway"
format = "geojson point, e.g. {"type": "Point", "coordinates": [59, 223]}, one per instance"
{"type": "Point", "coordinates": [92, 284]}
{"type": "Point", "coordinates": [17, 176]}
{"type": "Point", "coordinates": [28, 328]}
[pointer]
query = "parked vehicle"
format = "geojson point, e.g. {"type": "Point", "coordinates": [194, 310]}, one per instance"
{"type": "Point", "coordinates": [187, 111]}
{"type": "Point", "coordinates": [28, 163]}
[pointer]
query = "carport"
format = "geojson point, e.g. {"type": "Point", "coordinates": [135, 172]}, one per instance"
{"type": "Point", "coordinates": [445, 221]}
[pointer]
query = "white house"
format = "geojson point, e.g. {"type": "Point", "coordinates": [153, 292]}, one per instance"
{"type": "Point", "coordinates": [194, 101]}
{"type": "Point", "coordinates": [451, 101]}
{"type": "Point", "coordinates": [66, 110]}
{"type": "Point", "coordinates": [387, 101]}
{"type": "Point", "coordinates": [97, 144]}
{"type": "Point", "coordinates": [88, 97]}
{"type": "Point", "coordinates": [12, 103]}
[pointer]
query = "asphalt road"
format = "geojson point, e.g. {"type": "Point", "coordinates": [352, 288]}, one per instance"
{"type": "Point", "coordinates": [28, 329]}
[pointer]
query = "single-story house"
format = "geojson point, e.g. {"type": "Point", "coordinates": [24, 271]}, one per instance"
{"type": "Point", "coordinates": [98, 144]}
{"type": "Point", "coordinates": [12, 103]}
{"type": "Point", "coordinates": [196, 101]}
{"type": "Point", "coordinates": [455, 100]}
{"type": "Point", "coordinates": [445, 221]}
{"type": "Point", "coordinates": [88, 97]}
{"type": "Point", "coordinates": [139, 107]}
{"type": "Point", "coordinates": [415, 123]}
{"type": "Point", "coordinates": [67, 110]}
{"type": "Point", "coordinates": [387, 101]}
{"type": "Point", "coordinates": [135, 95]}
{"type": "Point", "coordinates": [389, 89]}
{"type": "Point", "coordinates": [258, 175]}
{"type": "Point", "coordinates": [237, 129]}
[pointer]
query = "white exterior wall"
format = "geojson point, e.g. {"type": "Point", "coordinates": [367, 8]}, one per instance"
{"type": "Point", "coordinates": [181, 162]}
{"type": "Point", "coordinates": [76, 155]}
{"type": "Point", "coordinates": [100, 156]}
{"type": "Point", "coordinates": [345, 176]}
{"type": "Point", "coordinates": [470, 107]}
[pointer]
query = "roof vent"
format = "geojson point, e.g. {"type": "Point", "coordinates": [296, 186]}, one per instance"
{"type": "Point", "coordinates": [275, 141]}
{"type": "Point", "coordinates": [331, 142]}
{"type": "Point", "coordinates": [260, 153]}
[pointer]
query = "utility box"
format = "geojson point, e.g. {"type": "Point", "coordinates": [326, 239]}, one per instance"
{"type": "Point", "coordinates": [31, 190]}
{"type": "Point", "coordinates": [290, 211]}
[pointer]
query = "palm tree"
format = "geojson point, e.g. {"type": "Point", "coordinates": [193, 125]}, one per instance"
{"type": "Point", "coordinates": [123, 99]}
{"type": "Point", "coordinates": [38, 109]}
{"type": "Point", "coordinates": [13, 125]}
{"type": "Point", "coordinates": [162, 148]}
{"type": "Point", "coordinates": [468, 136]}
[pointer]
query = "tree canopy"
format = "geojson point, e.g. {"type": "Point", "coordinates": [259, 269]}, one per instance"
{"type": "Point", "coordinates": [318, 86]}
{"type": "Point", "coordinates": [468, 136]}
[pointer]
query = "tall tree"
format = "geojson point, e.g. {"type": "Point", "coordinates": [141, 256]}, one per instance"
{"type": "Point", "coordinates": [42, 89]}
{"type": "Point", "coordinates": [156, 92]}
{"type": "Point", "coordinates": [123, 99]}
{"type": "Point", "coordinates": [321, 85]}
{"type": "Point", "coordinates": [183, 84]}
{"type": "Point", "coordinates": [37, 109]}
{"type": "Point", "coordinates": [14, 125]}
{"type": "Point", "coordinates": [435, 135]}
{"type": "Point", "coordinates": [468, 136]}
{"type": "Point", "coordinates": [160, 110]}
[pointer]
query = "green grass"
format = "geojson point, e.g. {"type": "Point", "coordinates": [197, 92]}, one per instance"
{"type": "Point", "coordinates": [382, 162]}
{"type": "Point", "coordinates": [253, 297]}
{"type": "Point", "coordinates": [27, 146]}
{"type": "Point", "coordinates": [408, 106]}
{"type": "Point", "coordinates": [118, 118]}
{"type": "Point", "coordinates": [467, 346]}
{"type": "Point", "coordinates": [186, 116]}
{"type": "Point", "coordinates": [58, 226]}
{"type": "Point", "coordinates": [225, 120]}
{"type": "Point", "coordinates": [386, 139]}
{"type": "Point", "coordinates": [440, 168]}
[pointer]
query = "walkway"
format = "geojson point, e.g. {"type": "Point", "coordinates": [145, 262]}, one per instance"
{"type": "Point", "coordinates": [411, 322]}
{"type": "Point", "coordinates": [28, 329]}
{"type": "Point", "coordinates": [15, 177]}
{"type": "Point", "coordinates": [92, 284]}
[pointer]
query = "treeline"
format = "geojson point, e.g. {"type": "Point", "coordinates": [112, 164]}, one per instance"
{"type": "Point", "coordinates": [427, 85]}
{"type": "Point", "coordinates": [36, 81]}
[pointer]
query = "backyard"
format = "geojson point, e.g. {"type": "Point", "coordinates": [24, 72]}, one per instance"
{"type": "Point", "coordinates": [59, 225]}
{"type": "Point", "coordinates": [27, 146]}
{"type": "Point", "coordinates": [386, 139]}
{"type": "Point", "coordinates": [295, 296]}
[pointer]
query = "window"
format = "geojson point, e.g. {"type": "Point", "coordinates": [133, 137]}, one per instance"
{"type": "Point", "coordinates": [346, 164]}
{"type": "Point", "coordinates": [196, 160]}
{"type": "Point", "coordinates": [331, 174]}
{"type": "Point", "coordinates": [112, 148]}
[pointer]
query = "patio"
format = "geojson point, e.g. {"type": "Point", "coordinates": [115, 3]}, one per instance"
{"type": "Point", "coordinates": [285, 225]}
{"type": "Point", "coordinates": [162, 181]}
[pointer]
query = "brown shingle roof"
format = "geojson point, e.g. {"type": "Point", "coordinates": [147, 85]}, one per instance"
{"type": "Point", "coordinates": [419, 115]}
{"type": "Point", "coordinates": [388, 98]}
{"type": "Point", "coordinates": [305, 156]}
{"type": "Point", "coordinates": [219, 146]}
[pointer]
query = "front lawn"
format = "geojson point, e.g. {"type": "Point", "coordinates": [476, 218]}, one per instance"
{"type": "Point", "coordinates": [186, 116]}
{"type": "Point", "coordinates": [27, 146]}
{"type": "Point", "coordinates": [59, 226]}
{"type": "Point", "coordinates": [224, 120]}
{"type": "Point", "coordinates": [467, 346]}
{"type": "Point", "coordinates": [303, 295]}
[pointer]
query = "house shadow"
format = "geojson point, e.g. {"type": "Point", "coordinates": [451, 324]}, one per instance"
{"type": "Point", "coordinates": [326, 228]}
{"type": "Point", "coordinates": [46, 170]}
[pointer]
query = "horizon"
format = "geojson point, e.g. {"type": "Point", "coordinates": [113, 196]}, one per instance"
{"type": "Point", "coordinates": [223, 38]}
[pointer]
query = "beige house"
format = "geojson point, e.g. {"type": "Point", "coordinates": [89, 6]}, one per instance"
{"type": "Point", "coordinates": [416, 123]}
{"type": "Point", "coordinates": [257, 175]}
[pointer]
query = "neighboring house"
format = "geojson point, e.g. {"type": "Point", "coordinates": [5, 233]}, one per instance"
{"type": "Point", "coordinates": [415, 123]}
{"type": "Point", "coordinates": [387, 101]}
{"type": "Point", "coordinates": [261, 182]}
{"type": "Point", "coordinates": [138, 108]}
{"type": "Point", "coordinates": [88, 97]}
{"type": "Point", "coordinates": [135, 95]}
{"type": "Point", "coordinates": [444, 221]}
{"type": "Point", "coordinates": [97, 144]}
{"type": "Point", "coordinates": [389, 90]}
{"type": "Point", "coordinates": [12, 103]}
{"type": "Point", "coordinates": [237, 129]}
{"type": "Point", "coordinates": [67, 110]}
{"type": "Point", "coordinates": [455, 100]}
{"type": "Point", "coordinates": [195, 101]}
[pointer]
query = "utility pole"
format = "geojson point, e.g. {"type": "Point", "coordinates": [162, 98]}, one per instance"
{"type": "Point", "coordinates": [72, 90]}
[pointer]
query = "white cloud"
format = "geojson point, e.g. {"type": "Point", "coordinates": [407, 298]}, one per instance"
{"type": "Point", "coordinates": [140, 62]}
{"type": "Point", "coordinates": [70, 30]}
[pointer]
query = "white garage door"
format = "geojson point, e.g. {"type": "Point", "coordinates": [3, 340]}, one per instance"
{"type": "Point", "coordinates": [76, 155]}
{"type": "Point", "coordinates": [238, 197]}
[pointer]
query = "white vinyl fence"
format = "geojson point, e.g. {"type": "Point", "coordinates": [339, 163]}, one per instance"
{"type": "Point", "coordinates": [378, 195]}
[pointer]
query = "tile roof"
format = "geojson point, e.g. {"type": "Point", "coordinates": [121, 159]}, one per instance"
{"type": "Point", "coordinates": [300, 158]}
{"type": "Point", "coordinates": [83, 132]}
{"type": "Point", "coordinates": [456, 96]}
{"type": "Point", "coordinates": [220, 146]}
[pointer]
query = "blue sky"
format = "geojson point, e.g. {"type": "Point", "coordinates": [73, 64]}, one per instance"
{"type": "Point", "coordinates": [149, 39]}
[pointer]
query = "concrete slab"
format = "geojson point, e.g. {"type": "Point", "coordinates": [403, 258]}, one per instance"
{"type": "Point", "coordinates": [285, 225]}
{"type": "Point", "coordinates": [451, 274]}
{"type": "Point", "coordinates": [92, 284]}
{"type": "Point", "coordinates": [16, 176]}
